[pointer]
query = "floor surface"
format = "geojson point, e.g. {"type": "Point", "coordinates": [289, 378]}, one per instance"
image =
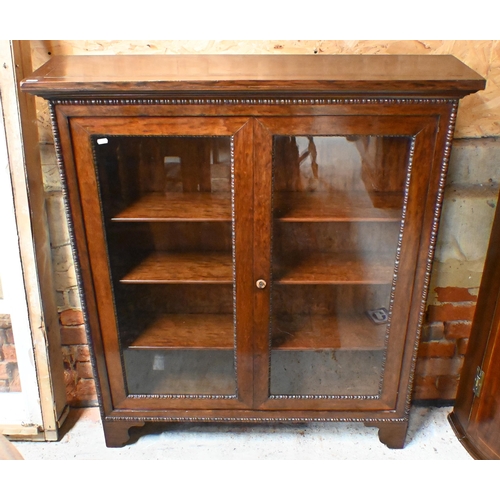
{"type": "Point", "coordinates": [430, 437]}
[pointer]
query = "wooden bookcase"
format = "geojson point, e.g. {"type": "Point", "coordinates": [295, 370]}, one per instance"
{"type": "Point", "coordinates": [254, 235]}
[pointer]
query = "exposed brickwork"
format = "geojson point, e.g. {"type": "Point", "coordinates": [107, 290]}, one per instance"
{"type": "Point", "coordinates": [9, 353]}
{"type": "Point", "coordinates": [71, 317]}
{"type": "Point", "coordinates": [79, 377]}
{"type": "Point", "coordinates": [432, 331]}
{"type": "Point", "coordinates": [437, 349]}
{"type": "Point", "coordinates": [425, 388]}
{"type": "Point", "coordinates": [80, 392]}
{"type": "Point", "coordinates": [80, 385]}
{"type": "Point", "coordinates": [451, 312]}
{"type": "Point", "coordinates": [436, 367]}
{"type": "Point", "coordinates": [73, 335]}
{"type": "Point", "coordinates": [443, 343]}
{"type": "Point", "coordinates": [454, 294]}
{"type": "Point", "coordinates": [457, 329]}
{"type": "Point", "coordinates": [76, 353]}
{"type": "Point", "coordinates": [8, 336]}
{"type": "Point", "coordinates": [84, 370]}
{"type": "Point", "coordinates": [9, 371]}
{"type": "Point", "coordinates": [4, 371]}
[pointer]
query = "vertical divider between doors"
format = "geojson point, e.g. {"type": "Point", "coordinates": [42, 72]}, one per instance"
{"type": "Point", "coordinates": [243, 247]}
{"type": "Point", "coordinates": [262, 258]}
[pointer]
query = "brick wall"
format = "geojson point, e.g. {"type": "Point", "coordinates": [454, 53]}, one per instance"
{"type": "Point", "coordinates": [468, 209]}
{"type": "Point", "coordinates": [80, 384]}
{"type": "Point", "coordinates": [9, 372]}
{"type": "Point", "coordinates": [443, 343]}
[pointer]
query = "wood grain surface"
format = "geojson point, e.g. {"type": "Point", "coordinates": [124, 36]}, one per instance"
{"type": "Point", "coordinates": [343, 331]}
{"type": "Point", "coordinates": [188, 331]}
{"type": "Point", "coordinates": [142, 75]}
{"type": "Point", "coordinates": [161, 267]}
{"type": "Point", "coordinates": [178, 207]}
{"type": "Point", "coordinates": [322, 268]}
{"type": "Point", "coordinates": [337, 206]}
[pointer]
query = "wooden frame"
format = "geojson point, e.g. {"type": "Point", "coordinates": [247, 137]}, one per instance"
{"type": "Point", "coordinates": [37, 333]}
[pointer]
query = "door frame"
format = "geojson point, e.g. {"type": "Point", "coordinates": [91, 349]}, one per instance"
{"type": "Point", "coordinates": [76, 129]}
{"type": "Point", "coordinates": [422, 130]}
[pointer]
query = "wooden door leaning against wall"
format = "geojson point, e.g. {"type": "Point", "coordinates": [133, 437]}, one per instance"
{"type": "Point", "coordinates": [476, 415]}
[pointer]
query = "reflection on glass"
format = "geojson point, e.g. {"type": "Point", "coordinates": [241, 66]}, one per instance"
{"type": "Point", "coordinates": [168, 220]}
{"type": "Point", "coordinates": [9, 370]}
{"type": "Point", "coordinates": [337, 208]}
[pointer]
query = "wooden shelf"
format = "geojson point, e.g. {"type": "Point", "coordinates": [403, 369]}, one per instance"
{"type": "Point", "coordinates": [322, 268]}
{"type": "Point", "coordinates": [306, 332]}
{"type": "Point", "coordinates": [188, 331]}
{"type": "Point", "coordinates": [178, 207]}
{"type": "Point", "coordinates": [300, 332]}
{"type": "Point", "coordinates": [182, 268]}
{"type": "Point", "coordinates": [337, 206]}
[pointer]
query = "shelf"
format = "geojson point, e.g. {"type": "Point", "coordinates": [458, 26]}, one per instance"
{"type": "Point", "coordinates": [300, 332]}
{"type": "Point", "coordinates": [306, 332]}
{"type": "Point", "coordinates": [337, 206]}
{"type": "Point", "coordinates": [178, 207]}
{"type": "Point", "coordinates": [182, 268]}
{"type": "Point", "coordinates": [322, 268]}
{"type": "Point", "coordinates": [188, 331]}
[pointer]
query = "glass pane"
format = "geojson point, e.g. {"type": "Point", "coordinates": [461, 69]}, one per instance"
{"type": "Point", "coordinates": [168, 218]}
{"type": "Point", "coordinates": [9, 369]}
{"type": "Point", "coordinates": [337, 207]}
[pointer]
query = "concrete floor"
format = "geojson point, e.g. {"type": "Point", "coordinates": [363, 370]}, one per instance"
{"type": "Point", "coordinates": [430, 437]}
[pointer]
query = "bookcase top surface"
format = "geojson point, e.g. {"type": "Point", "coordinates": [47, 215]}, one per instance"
{"type": "Point", "coordinates": [347, 75]}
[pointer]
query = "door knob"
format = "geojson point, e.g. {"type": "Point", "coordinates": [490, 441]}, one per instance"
{"type": "Point", "coordinates": [261, 284]}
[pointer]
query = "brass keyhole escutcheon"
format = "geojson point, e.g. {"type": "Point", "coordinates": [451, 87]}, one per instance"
{"type": "Point", "coordinates": [261, 284]}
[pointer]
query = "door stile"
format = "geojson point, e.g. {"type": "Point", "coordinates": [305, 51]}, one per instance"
{"type": "Point", "coordinates": [262, 279]}
{"type": "Point", "coordinates": [406, 313]}
{"type": "Point", "coordinates": [73, 207]}
{"type": "Point", "coordinates": [430, 149]}
{"type": "Point", "coordinates": [242, 207]}
{"type": "Point", "coordinates": [96, 242]}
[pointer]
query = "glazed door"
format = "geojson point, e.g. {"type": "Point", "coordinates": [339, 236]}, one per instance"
{"type": "Point", "coordinates": [169, 240]}
{"type": "Point", "coordinates": [339, 214]}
